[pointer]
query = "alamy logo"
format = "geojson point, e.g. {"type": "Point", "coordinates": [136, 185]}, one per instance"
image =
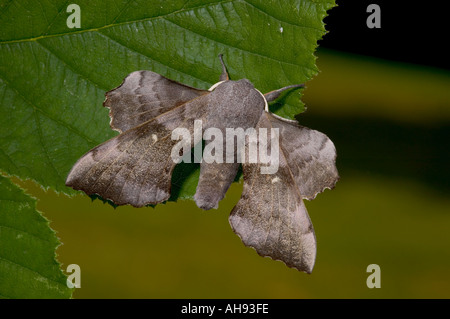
{"type": "Point", "coordinates": [374, 279]}
{"type": "Point", "coordinates": [74, 279]}
{"type": "Point", "coordinates": [263, 146]}
{"type": "Point", "coordinates": [374, 19]}
{"type": "Point", "coordinates": [74, 19]}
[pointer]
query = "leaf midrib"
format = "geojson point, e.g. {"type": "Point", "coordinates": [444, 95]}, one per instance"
{"type": "Point", "coordinates": [47, 36]}
{"type": "Point", "coordinates": [113, 24]}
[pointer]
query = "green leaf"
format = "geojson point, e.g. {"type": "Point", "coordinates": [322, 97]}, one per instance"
{"type": "Point", "coordinates": [53, 79]}
{"type": "Point", "coordinates": [28, 268]}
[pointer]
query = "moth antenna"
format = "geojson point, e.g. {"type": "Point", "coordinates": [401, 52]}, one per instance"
{"type": "Point", "coordinates": [224, 76]}
{"type": "Point", "coordinates": [273, 95]}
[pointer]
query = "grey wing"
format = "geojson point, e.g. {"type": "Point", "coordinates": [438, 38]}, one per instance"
{"type": "Point", "coordinates": [311, 156]}
{"type": "Point", "coordinates": [144, 95]}
{"type": "Point", "coordinates": [271, 216]}
{"type": "Point", "coordinates": [136, 166]}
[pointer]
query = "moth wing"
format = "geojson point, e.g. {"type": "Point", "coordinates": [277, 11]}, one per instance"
{"type": "Point", "coordinates": [311, 156]}
{"type": "Point", "coordinates": [271, 216]}
{"type": "Point", "coordinates": [136, 166]}
{"type": "Point", "coordinates": [144, 95]}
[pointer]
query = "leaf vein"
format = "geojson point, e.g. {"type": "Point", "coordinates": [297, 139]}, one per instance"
{"type": "Point", "coordinates": [31, 270]}
{"type": "Point", "coordinates": [240, 49]}
{"type": "Point", "coordinates": [56, 16]}
{"type": "Point", "coordinates": [112, 25]}
{"type": "Point", "coordinates": [280, 20]}
{"type": "Point", "coordinates": [44, 148]}
{"type": "Point", "coordinates": [98, 86]}
{"type": "Point", "coordinates": [152, 58]}
{"type": "Point", "coordinates": [24, 231]}
{"type": "Point", "coordinates": [32, 105]}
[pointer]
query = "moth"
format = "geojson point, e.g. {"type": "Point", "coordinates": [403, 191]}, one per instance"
{"type": "Point", "coordinates": [136, 167]}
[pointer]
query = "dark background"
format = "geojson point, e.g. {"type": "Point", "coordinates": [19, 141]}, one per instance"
{"type": "Point", "coordinates": [413, 32]}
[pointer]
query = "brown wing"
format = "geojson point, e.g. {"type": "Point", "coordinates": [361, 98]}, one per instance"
{"type": "Point", "coordinates": [311, 156]}
{"type": "Point", "coordinates": [271, 216]}
{"type": "Point", "coordinates": [144, 95]}
{"type": "Point", "coordinates": [136, 166]}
